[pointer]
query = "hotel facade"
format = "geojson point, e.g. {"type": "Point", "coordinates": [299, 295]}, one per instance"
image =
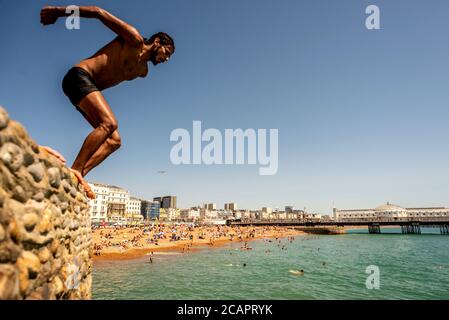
{"type": "Point", "coordinates": [113, 204]}
{"type": "Point", "coordinates": [98, 207]}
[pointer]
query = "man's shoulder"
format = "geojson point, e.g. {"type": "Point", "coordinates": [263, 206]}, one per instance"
{"type": "Point", "coordinates": [126, 45]}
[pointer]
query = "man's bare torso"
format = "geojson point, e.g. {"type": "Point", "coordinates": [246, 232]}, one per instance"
{"type": "Point", "coordinates": [115, 62]}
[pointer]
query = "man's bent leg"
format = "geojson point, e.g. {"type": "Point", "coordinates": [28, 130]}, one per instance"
{"type": "Point", "coordinates": [100, 115]}
{"type": "Point", "coordinates": [109, 146]}
{"type": "Point", "coordinates": [97, 111]}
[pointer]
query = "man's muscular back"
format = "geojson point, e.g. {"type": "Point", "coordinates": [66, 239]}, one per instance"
{"type": "Point", "coordinates": [116, 62]}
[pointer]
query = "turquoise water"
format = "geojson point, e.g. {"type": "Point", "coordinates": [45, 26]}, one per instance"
{"type": "Point", "coordinates": [411, 267]}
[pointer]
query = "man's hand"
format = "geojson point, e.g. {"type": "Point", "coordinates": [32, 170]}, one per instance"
{"type": "Point", "coordinates": [49, 15]}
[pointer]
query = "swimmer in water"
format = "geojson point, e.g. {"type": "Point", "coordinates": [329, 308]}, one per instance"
{"type": "Point", "coordinates": [297, 272]}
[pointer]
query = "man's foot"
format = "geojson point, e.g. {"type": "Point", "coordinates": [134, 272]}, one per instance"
{"type": "Point", "coordinates": [90, 194]}
{"type": "Point", "coordinates": [55, 153]}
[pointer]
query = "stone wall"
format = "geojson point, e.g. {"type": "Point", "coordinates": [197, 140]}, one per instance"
{"type": "Point", "coordinates": [45, 236]}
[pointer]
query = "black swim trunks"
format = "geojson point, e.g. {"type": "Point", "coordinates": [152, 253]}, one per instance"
{"type": "Point", "coordinates": [77, 84]}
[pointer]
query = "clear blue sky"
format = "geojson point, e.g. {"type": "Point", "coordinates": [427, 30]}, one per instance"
{"type": "Point", "coordinates": [362, 115]}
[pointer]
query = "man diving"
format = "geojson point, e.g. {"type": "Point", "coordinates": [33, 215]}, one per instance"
{"type": "Point", "coordinates": [124, 58]}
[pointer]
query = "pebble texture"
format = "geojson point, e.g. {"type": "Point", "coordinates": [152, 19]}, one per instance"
{"type": "Point", "coordinates": [45, 235]}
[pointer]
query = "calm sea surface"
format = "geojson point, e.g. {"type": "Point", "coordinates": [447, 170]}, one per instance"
{"type": "Point", "coordinates": [411, 267]}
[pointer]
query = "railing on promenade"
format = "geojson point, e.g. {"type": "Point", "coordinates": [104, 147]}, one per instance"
{"type": "Point", "coordinates": [441, 219]}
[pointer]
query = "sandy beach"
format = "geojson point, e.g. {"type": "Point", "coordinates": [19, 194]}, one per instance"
{"type": "Point", "coordinates": [134, 242]}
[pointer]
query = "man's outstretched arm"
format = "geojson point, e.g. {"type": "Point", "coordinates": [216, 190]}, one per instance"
{"type": "Point", "coordinates": [49, 15]}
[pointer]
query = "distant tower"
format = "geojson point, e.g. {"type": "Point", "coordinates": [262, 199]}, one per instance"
{"type": "Point", "coordinates": [335, 211]}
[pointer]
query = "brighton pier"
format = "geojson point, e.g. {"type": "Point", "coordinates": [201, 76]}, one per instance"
{"type": "Point", "coordinates": [410, 220]}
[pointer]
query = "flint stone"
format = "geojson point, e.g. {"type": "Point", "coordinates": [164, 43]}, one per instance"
{"type": "Point", "coordinates": [27, 159]}
{"type": "Point", "coordinates": [2, 197]}
{"type": "Point", "coordinates": [9, 252]}
{"type": "Point", "coordinates": [45, 224]}
{"type": "Point", "coordinates": [46, 270]}
{"type": "Point", "coordinates": [73, 192]}
{"type": "Point", "coordinates": [4, 119]}
{"type": "Point", "coordinates": [39, 196]}
{"type": "Point", "coordinates": [55, 200]}
{"type": "Point", "coordinates": [44, 255]}
{"type": "Point", "coordinates": [30, 262]}
{"type": "Point", "coordinates": [54, 176]}
{"type": "Point", "coordinates": [58, 286]}
{"type": "Point", "coordinates": [12, 156]}
{"type": "Point", "coordinates": [32, 240]}
{"type": "Point", "coordinates": [16, 231]}
{"type": "Point", "coordinates": [66, 185]}
{"type": "Point", "coordinates": [37, 171]}
{"type": "Point", "coordinates": [2, 233]}
{"type": "Point", "coordinates": [29, 221]}
{"type": "Point", "coordinates": [9, 282]}
{"type": "Point", "coordinates": [19, 194]}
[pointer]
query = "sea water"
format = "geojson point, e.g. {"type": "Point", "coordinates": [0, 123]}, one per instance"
{"type": "Point", "coordinates": [335, 266]}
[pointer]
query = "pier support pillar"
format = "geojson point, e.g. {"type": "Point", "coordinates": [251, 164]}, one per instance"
{"type": "Point", "coordinates": [374, 228]}
{"type": "Point", "coordinates": [414, 228]}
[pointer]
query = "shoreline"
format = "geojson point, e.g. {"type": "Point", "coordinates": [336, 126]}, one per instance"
{"type": "Point", "coordinates": [180, 246]}
{"type": "Point", "coordinates": [188, 246]}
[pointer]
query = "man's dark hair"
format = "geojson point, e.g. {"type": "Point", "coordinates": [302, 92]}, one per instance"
{"type": "Point", "coordinates": [165, 39]}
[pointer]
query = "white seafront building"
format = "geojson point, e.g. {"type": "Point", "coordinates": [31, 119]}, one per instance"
{"type": "Point", "coordinates": [111, 203]}
{"type": "Point", "coordinates": [133, 206]}
{"type": "Point", "coordinates": [389, 211]}
{"type": "Point", "coordinates": [118, 195]}
{"type": "Point", "coordinates": [190, 214]}
{"type": "Point", "coordinates": [98, 207]}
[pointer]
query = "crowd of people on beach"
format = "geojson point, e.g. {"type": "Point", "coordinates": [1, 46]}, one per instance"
{"type": "Point", "coordinates": [121, 239]}
{"type": "Point", "coordinates": [183, 237]}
